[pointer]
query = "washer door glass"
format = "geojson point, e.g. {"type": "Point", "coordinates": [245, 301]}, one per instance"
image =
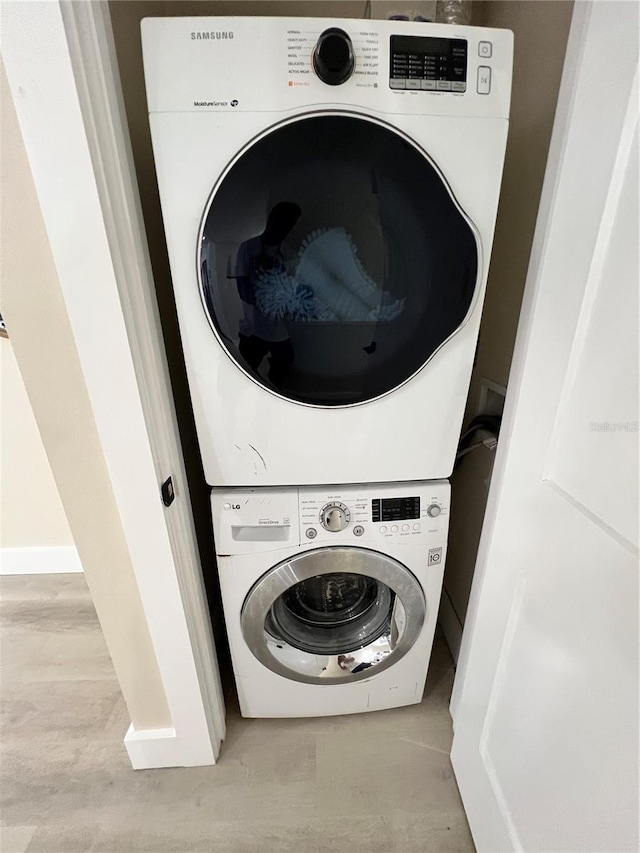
{"type": "Point", "coordinates": [334, 260]}
{"type": "Point", "coordinates": [333, 615]}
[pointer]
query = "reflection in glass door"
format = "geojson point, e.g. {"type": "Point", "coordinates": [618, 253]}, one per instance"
{"type": "Point", "coordinates": [334, 260]}
{"type": "Point", "coordinates": [333, 615]}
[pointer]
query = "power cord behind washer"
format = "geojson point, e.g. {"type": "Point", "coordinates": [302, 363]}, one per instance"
{"type": "Point", "coordinates": [483, 431]}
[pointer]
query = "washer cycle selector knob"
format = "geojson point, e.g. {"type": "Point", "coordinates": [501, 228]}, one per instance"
{"type": "Point", "coordinates": [335, 517]}
{"type": "Point", "coordinates": [333, 59]}
{"type": "Point", "coordinates": [433, 511]}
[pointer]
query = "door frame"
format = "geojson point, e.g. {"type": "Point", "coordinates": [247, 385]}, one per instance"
{"type": "Point", "coordinates": [63, 75]}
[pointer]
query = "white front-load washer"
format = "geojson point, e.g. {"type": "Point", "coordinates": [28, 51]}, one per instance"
{"type": "Point", "coordinates": [330, 594]}
{"type": "Point", "coordinates": [329, 191]}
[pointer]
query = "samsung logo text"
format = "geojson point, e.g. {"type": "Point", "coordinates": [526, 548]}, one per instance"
{"type": "Point", "coordinates": [213, 35]}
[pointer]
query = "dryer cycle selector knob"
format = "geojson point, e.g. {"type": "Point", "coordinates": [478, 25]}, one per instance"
{"type": "Point", "coordinates": [333, 59]}
{"type": "Point", "coordinates": [335, 517]}
{"type": "Point", "coordinates": [434, 511]}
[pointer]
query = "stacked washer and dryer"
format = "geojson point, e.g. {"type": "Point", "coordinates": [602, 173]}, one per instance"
{"type": "Point", "coordinates": [329, 192]}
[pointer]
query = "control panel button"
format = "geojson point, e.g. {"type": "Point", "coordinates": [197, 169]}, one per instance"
{"type": "Point", "coordinates": [396, 84]}
{"type": "Point", "coordinates": [429, 85]}
{"type": "Point", "coordinates": [485, 49]}
{"type": "Point", "coordinates": [405, 527]}
{"type": "Point", "coordinates": [333, 58]}
{"type": "Point", "coordinates": [383, 528]}
{"type": "Point", "coordinates": [433, 511]}
{"type": "Point", "coordinates": [412, 84]}
{"type": "Point", "coordinates": [484, 80]}
{"type": "Point", "coordinates": [458, 86]}
{"type": "Point", "coordinates": [226, 506]}
{"type": "Point", "coordinates": [394, 528]}
{"type": "Point", "coordinates": [311, 533]}
{"type": "Point", "coordinates": [443, 85]}
{"type": "Point", "coordinates": [358, 530]}
{"type": "Point", "coordinates": [416, 527]}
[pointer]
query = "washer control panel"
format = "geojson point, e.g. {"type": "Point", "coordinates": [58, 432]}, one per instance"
{"type": "Point", "coordinates": [249, 520]}
{"type": "Point", "coordinates": [403, 512]}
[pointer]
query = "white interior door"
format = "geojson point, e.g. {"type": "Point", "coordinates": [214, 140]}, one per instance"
{"type": "Point", "coordinates": [545, 703]}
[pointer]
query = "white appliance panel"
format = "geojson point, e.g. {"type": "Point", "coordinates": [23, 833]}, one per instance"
{"type": "Point", "coordinates": [248, 435]}
{"type": "Point", "coordinates": [208, 74]}
{"type": "Point", "coordinates": [264, 693]}
{"type": "Point", "coordinates": [234, 415]}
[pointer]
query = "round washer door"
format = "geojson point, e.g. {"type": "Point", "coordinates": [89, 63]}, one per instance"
{"type": "Point", "coordinates": [333, 615]}
{"type": "Point", "coordinates": [334, 259]}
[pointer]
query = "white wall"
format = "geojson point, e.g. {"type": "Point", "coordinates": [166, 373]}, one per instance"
{"type": "Point", "coordinates": [35, 313]}
{"type": "Point", "coordinates": [34, 532]}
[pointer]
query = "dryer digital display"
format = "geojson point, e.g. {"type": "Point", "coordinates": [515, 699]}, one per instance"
{"type": "Point", "coordinates": [418, 62]}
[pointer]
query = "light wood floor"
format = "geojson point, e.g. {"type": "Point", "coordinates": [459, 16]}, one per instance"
{"type": "Point", "coordinates": [359, 784]}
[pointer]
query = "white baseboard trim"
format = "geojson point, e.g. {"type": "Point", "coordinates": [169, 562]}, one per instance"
{"type": "Point", "coordinates": [451, 625]}
{"type": "Point", "coordinates": [39, 561]}
{"type": "Point", "coordinates": [151, 748]}
{"type": "Point", "coordinates": [155, 748]}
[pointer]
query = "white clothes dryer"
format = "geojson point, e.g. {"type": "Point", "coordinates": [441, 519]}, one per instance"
{"type": "Point", "coordinates": [329, 192]}
{"type": "Point", "coordinates": [330, 595]}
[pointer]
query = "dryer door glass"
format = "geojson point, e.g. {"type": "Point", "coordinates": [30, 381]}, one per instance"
{"type": "Point", "coordinates": [334, 260]}
{"type": "Point", "coordinates": [333, 615]}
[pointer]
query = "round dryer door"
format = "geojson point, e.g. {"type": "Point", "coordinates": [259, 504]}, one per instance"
{"type": "Point", "coordinates": [334, 260]}
{"type": "Point", "coordinates": [333, 615]}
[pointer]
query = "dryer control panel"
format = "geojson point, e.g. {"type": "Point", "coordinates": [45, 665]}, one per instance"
{"type": "Point", "coordinates": [209, 64]}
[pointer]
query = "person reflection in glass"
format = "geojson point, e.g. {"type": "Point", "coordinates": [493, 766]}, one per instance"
{"type": "Point", "coordinates": [261, 335]}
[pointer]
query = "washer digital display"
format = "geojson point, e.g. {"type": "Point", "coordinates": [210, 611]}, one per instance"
{"type": "Point", "coordinates": [395, 509]}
